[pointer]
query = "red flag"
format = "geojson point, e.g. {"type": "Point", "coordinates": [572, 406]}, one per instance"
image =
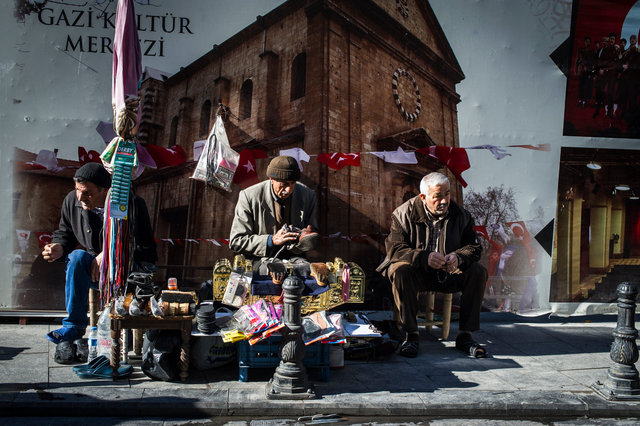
{"type": "Point", "coordinates": [246, 174]}
{"type": "Point", "coordinates": [456, 159]}
{"type": "Point", "coordinates": [520, 232]}
{"type": "Point", "coordinates": [496, 249]}
{"type": "Point", "coordinates": [88, 157]}
{"type": "Point", "coordinates": [44, 238]}
{"type": "Point", "coordinates": [166, 157]}
{"type": "Point", "coordinates": [338, 160]}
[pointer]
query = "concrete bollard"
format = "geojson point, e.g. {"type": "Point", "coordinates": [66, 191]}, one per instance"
{"type": "Point", "coordinates": [623, 382]}
{"type": "Point", "coordinates": [290, 378]}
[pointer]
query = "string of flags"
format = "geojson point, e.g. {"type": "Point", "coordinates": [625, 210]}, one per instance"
{"type": "Point", "coordinates": [154, 156]}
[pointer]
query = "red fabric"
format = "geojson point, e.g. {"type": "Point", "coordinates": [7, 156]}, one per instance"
{"type": "Point", "coordinates": [338, 160]}
{"type": "Point", "coordinates": [166, 157]}
{"type": "Point", "coordinates": [88, 157]}
{"type": "Point", "coordinates": [44, 238]}
{"type": "Point", "coordinates": [246, 174]}
{"type": "Point", "coordinates": [496, 249]}
{"type": "Point", "coordinates": [520, 231]}
{"type": "Point", "coordinates": [456, 159]}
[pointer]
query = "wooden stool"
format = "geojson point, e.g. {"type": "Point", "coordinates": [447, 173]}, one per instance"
{"type": "Point", "coordinates": [429, 303]}
{"type": "Point", "coordinates": [94, 305]}
{"type": "Point", "coordinates": [445, 322]}
{"type": "Point", "coordinates": [182, 323]}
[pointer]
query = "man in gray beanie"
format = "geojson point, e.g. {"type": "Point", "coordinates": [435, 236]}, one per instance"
{"type": "Point", "coordinates": [269, 216]}
{"type": "Point", "coordinates": [81, 222]}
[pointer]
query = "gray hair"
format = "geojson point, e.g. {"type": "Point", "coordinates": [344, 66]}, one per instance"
{"type": "Point", "coordinates": [431, 180]}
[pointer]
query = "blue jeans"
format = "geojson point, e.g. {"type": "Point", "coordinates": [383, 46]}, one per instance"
{"type": "Point", "coordinates": [76, 289]}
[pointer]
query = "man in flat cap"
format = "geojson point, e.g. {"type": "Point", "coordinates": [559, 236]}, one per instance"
{"type": "Point", "coordinates": [81, 221]}
{"type": "Point", "coordinates": [258, 231]}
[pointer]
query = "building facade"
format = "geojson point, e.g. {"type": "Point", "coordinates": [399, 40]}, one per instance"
{"type": "Point", "coordinates": [322, 75]}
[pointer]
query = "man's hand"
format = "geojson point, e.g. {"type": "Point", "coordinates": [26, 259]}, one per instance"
{"type": "Point", "coordinates": [95, 267]}
{"type": "Point", "coordinates": [283, 237]}
{"type": "Point", "coordinates": [437, 260]}
{"type": "Point", "coordinates": [52, 252]}
{"type": "Point", "coordinates": [452, 262]}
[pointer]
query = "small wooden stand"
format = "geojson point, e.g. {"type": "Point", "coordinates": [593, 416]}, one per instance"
{"type": "Point", "coordinates": [182, 323]}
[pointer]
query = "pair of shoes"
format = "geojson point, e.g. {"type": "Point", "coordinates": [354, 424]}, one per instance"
{"type": "Point", "coordinates": [466, 344]}
{"type": "Point", "coordinates": [409, 348]}
{"type": "Point", "coordinates": [100, 368]}
{"type": "Point", "coordinates": [68, 352]}
{"type": "Point", "coordinates": [64, 334]}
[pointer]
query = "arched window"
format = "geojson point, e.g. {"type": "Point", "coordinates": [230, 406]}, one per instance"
{"type": "Point", "coordinates": [299, 76]}
{"type": "Point", "coordinates": [205, 117]}
{"type": "Point", "coordinates": [246, 94]}
{"type": "Point", "coordinates": [173, 131]}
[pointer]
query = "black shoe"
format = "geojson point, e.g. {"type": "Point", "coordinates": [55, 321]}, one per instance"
{"type": "Point", "coordinates": [409, 348]}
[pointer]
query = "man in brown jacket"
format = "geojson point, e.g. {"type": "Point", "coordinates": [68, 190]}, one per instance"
{"type": "Point", "coordinates": [432, 246]}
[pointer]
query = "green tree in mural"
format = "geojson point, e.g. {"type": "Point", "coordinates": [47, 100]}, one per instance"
{"type": "Point", "coordinates": [495, 205]}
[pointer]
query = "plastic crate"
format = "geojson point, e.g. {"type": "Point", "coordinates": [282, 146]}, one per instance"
{"type": "Point", "coordinates": [264, 354]}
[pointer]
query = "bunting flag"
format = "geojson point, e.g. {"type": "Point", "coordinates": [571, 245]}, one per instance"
{"type": "Point", "coordinates": [498, 152]}
{"type": "Point", "coordinates": [456, 159]}
{"type": "Point", "coordinates": [298, 154]}
{"type": "Point", "coordinates": [88, 157]}
{"type": "Point", "coordinates": [198, 147]}
{"type": "Point", "coordinates": [397, 157]}
{"type": "Point", "coordinates": [246, 174]}
{"type": "Point", "coordinates": [539, 147]}
{"type": "Point", "coordinates": [338, 160]}
{"type": "Point", "coordinates": [166, 157]}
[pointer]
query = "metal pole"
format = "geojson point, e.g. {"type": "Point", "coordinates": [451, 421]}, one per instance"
{"type": "Point", "coordinates": [290, 378]}
{"type": "Point", "coordinates": [622, 381]}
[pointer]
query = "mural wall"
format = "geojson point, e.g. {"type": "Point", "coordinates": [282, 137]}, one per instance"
{"type": "Point", "coordinates": [525, 121]}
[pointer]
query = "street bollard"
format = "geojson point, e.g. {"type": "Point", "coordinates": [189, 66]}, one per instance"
{"type": "Point", "coordinates": [290, 378]}
{"type": "Point", "coordinates": [622, 381]}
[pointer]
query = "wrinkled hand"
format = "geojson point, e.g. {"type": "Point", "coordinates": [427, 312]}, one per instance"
{"type": "Point", "coordinates": [452, 262]}
{"type": "Point", "coordinates": [283, 237]}
{"type": "Point", "coordinates": [437, 260]}
{"type": "Point", "coordinates": [95, 267]}
{"type": "Point", "coordinates": [52, 252]}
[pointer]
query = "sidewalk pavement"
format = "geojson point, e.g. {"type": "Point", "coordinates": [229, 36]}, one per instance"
{"type": "Point", "coordinates": [539, 368]}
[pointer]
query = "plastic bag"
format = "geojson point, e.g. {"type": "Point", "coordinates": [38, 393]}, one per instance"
{"type": "Point", "coordinates": [218, 162]}
{"type": "Point", "coordinates": [160, 354]}
{"type": "Point", "coordinates": [236, 290]}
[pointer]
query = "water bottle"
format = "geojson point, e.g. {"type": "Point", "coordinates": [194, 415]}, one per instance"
{"type": "Point", "coordinates": [93, 344]}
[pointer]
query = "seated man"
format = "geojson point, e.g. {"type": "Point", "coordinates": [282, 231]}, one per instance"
{"type": "Point", "coordinates": [271, 216]}
{"type": "Point", "coordinates": [432, 246]}
{"type": "Point", "coordinates": [81, 224]}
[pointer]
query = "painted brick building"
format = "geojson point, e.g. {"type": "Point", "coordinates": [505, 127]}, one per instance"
{"type": "Point", "coordinates": [314, 74]}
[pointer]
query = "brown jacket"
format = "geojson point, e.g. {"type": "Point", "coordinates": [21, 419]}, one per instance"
{"type": "Point", "coordinates": [408, 238]}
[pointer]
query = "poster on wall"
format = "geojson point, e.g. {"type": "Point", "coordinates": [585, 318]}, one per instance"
{"type": "Point", "coordinates": [598, 231]}
{"type": "Point", "coordinates": [603, 84]}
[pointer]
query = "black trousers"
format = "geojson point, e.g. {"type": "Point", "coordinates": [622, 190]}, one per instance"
{"type": "Point", "coordinates": [407, 282]}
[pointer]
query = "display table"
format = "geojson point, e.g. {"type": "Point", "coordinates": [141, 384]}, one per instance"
{"type": "Point", "coordinates": [182, 323]}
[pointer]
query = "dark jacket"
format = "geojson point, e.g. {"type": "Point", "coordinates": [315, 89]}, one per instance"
{"type": "Point", "coordinates": [408, 237]}
{"type": "Point", "coordinates": [84, 228]}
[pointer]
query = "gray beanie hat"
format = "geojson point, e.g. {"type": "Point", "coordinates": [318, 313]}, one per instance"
{"type": "Point", "coordinates": [284, 167]}
{"type": "Point", "coordinates": [94, 173]}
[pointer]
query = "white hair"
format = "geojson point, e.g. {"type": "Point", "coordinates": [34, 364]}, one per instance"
{"type": "Point", "coordinates": [431, 180]}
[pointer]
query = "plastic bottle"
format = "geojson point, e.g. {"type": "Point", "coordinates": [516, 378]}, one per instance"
{"type": "Point", "coordinates": [93, 344]}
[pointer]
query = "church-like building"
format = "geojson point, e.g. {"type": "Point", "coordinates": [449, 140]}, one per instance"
{"type": "Point", "coordinates": [350, 76]}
